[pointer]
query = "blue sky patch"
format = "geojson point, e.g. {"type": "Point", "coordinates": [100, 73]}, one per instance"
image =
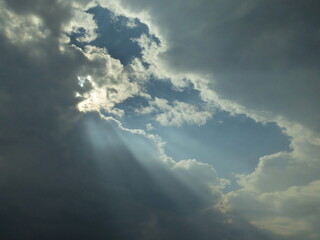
{"type": "Point", "coordinates": [115, 34]}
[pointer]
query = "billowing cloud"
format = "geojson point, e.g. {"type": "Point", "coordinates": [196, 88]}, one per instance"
{"type": "Point", "coordinates": [110, 83]}
{"type": "Point", "coordinates": [282, 193]}
{"type": "Point", "coordinates": [175, 114]}
{"type": "Point", "coordinates": [257, 58]}
{"type": "Point", "coordinates": [69, 169]}
{"type": "Point", "coordinates": [69, 174]}
{"type": "Point", "coordinates": [83, 26]}
{"type": "Point", "coordinates": [259, 54]}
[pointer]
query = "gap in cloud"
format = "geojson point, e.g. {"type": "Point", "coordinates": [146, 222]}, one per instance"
{"type": "Point", "coordinates": [116, 33]}
{"type": "Point", "coordinates": [232, 144]}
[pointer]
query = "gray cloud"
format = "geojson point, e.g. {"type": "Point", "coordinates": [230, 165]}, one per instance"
{"type": "Point", "coordinates": [261, 54]}
{"type": "Point", "coordinates": [261, 57]}
{"type": "Point", "coordinates": [56, 182]}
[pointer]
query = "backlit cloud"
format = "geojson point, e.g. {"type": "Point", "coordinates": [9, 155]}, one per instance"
{"type": "Point", "coordinates": [89, 91]}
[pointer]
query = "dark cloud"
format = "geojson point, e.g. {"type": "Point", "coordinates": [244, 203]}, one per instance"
{"type": "Point", "coordinates": [56, 182]}
{"type": "Point", "coordinates": [261, 54]}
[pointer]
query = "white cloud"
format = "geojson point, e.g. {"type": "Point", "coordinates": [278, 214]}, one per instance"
{"type": "Point", "coordinates": [110, 81]}
{"type": "Point", "coordinates": [149, 127]}
{"type": "Point", "coordinates": [82, 20]}
{"type": "Point", "coordinates": [176, 113]}
{"type": "Point", "coordinates": [20, 29]}
{"type": "Point", "coordinates": [293, 212]}
{"type": "Point", "coordinates": [282, 194]}
{"type": "Point", "coordinates": [180, 113]}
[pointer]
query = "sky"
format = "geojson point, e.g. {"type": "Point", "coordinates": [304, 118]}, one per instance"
{"type": "Point", "coordinates": [149, 120]}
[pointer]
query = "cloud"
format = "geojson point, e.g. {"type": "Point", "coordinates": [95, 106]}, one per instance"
{"type": "Point", "coordinates": [175, 114]}
{"type": "Point", "coordinates": [292, 212]}
{"type": "Point", "coordinates": [257, 58]}
{"type": "Point", "coordinates": [68, 174]}
{"type": "Point", "coordinates": [110, 82]}
{"type": "Point", "coordinates": [55, 16]}
{"type": "Point", "coordinates": [22, 29]}
{"type": "Point", "coordinates": [149, 127]}
{"type": "Point", "coordinates": [258, 54]}
{"type": "Point", "coordinates": [82, 21]}
{"type": "Point", "coordinates": [282, 193]}
{"type": "Point", "coordinates": [191, 170]}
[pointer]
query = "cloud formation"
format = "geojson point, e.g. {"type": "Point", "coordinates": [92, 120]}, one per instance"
{"type": "Point", "coordinates": [71, 175]}
{"type": "Point", "coordinates": [257, 58]}
{"type": "Point", "coordinates": [69, 170]}
{"type": "Point", "coordinates": [259, 54]}
{"type": "Point", "coordinates": [176, 114]}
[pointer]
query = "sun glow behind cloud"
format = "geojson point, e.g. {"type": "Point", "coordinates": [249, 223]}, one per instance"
{"type": "Point", "coordinates": [169, 114]}
{"type": "Point", "coordinates": [160, 106]}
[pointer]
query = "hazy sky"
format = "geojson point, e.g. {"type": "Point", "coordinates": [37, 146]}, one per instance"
{"type": "Point", "coordinates": [145, 119]}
